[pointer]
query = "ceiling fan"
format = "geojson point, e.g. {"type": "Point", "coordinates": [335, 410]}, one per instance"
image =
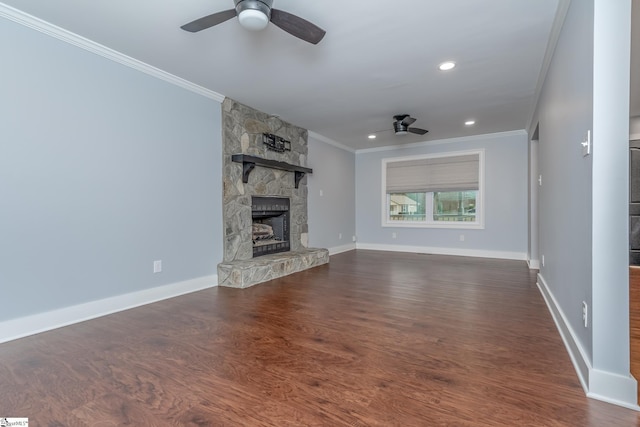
{"type": "Point", "coordinates": [401, 125]}
{"type": "Point", "coordinates": [255, 15]}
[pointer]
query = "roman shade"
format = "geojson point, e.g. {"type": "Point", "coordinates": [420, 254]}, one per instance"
{"type": "Point", "coordinates": [451, 173]}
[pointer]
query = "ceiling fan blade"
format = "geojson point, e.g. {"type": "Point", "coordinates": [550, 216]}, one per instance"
{"type": "Point", "coordinates": [209, 21]}
{"type": "Point", "coordinates": [417, 131]}
{"type": "Point", "coordinates": [297, 26]}
{"type": "Point", "coordinates": [408, 121]}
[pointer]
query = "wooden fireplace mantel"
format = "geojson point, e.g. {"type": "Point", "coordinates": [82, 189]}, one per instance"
{"type": "Point", "coordinates": [250, 162]}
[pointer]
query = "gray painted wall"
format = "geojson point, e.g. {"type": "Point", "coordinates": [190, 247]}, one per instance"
{"type": "Point", "coordinates": [564, 114]}
{"type": "Point", "coordinates": [586, 258]}
{"type": "Point", "coordinates": [103, 169]}
{"type": "Point", "coordinates": [505, 198]}
{"type": "Point", "coordinates": [334, 212]}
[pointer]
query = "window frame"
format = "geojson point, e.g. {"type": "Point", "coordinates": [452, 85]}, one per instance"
{"type": "Point", "coordinates": [480, 205]}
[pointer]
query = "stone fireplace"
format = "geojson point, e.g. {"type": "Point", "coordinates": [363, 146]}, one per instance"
{"type": "Point", "coordinates": [256, 181]}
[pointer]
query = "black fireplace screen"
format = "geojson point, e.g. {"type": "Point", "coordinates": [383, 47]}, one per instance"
{"type": "Point", "coordinates": [270, 228]}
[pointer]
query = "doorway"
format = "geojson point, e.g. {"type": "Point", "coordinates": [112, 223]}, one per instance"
{"type": "Point", "coordinates": [533, 257]}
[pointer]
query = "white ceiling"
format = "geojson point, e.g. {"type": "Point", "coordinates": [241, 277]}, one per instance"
{"type": "Point", "coordinates": [379, 58]}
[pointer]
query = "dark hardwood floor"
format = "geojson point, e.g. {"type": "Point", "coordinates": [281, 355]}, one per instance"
{"type": "Point", "coordinates": [371, 339]}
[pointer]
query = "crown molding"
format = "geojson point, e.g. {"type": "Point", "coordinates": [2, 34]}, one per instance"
{"type": "Point", "coordinates": [330, 141]}
{"type": "Point", "coordinates": [49, 29]}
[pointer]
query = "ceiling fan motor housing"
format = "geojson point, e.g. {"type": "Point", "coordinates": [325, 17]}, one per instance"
{"type": "Point", "coordinates": [399, 128]}
{"type": "Point", "coordinates": [252, 6]}
{"type": "Point", "coordinates": [399, 125]}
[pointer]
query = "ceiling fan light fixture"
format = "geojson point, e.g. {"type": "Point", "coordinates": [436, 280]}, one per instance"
{"type": "Point", "coordinates": [253, 20]}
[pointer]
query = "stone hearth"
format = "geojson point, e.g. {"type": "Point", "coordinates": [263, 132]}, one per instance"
{"type": "Point", "coordinates": [242, 274]}
{"type": "Point", "coordinates": [243, 129]}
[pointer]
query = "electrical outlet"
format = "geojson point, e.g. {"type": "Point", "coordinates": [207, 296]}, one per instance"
{"type": "Point", "coordinates": [540, 180]}
{"type": "Point", "coordinates": [339, 236]}
{"type": "Point", "coordinates": [353, 238]}
{"type": "Point", "coordinates": [157, 266]}
{"type": "Point", "coordinates": [462, 237]}
{"type": "Point", "coordinates": [543, 260]}
{"type": "Point", "coordinates": [393, 235]}
{"type": "Point", "coordinates": [321, 193]}
{"type": "Point", "coordinates": [585, 313]}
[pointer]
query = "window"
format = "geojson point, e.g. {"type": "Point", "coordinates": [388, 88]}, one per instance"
{"type": "Point", "coordinates": [407, 206]}
{"type": "Point", "coordinates": [443, 190]}
{"type": "Point", "coordinates": [455, 205]}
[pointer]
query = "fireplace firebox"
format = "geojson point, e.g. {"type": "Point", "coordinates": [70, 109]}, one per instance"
{"type": "Point", "coordinates": [270, 225]}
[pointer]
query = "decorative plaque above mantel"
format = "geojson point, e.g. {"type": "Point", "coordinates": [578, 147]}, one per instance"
{"type": "Point", "coordinates": [276, 143]}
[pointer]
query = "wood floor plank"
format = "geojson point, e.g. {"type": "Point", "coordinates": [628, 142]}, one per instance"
{"type": "Point", "coordinates": [371, 339]}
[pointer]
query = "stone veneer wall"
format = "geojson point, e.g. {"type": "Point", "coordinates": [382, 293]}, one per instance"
{"type": "Point", "coordinates": [242, 129]}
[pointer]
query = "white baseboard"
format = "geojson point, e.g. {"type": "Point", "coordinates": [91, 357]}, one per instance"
{"type": "Point", "coordinates": [344, 248]}
{"type": "Point", "coordinates": [479, 253]}
{"type": "Point", "coordinates": [42, 322]}
{"type": "Point", "coordinates": [534, 264]}
{"type": "Point", "coordinates": [577, 353]}
{"type": "Point", "coordinates": [619, 390]}
{"type": "Point", "coordinates": [601, 385]}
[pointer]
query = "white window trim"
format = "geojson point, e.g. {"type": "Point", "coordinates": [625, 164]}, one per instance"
{"type": "Point", "coordinates": [480, 206]}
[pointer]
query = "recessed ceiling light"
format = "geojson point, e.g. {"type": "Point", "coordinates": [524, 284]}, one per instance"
{"type": "Point", "coordinates": [372, 136]}
{"type": "Point", "coordinates": [446, 66]}
{"type": "Point", "coordinates": [470, 122]}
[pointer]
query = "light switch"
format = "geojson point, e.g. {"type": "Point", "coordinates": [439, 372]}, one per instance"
{"type": "Point", "coordinates": [586, 144]}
